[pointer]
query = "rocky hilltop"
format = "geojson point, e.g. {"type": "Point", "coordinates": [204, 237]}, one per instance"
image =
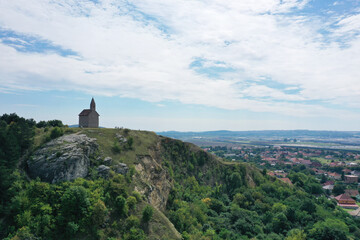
{"type": "Point", "coordinates": [88, 152]}
{"type": "Point", "coordinates": [63, 159]}
{"type": "Point", "coordinates": [68, 158]}
{"type": "Point", "coordinates": [154, 164]}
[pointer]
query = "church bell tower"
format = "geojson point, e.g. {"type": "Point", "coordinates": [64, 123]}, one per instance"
{"type": "Point", "coordinates": [92, 105]}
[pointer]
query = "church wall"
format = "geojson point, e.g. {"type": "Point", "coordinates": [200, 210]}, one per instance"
{"type": "Point", "coordinates": [83, 121]}
{"type": "Point", "coordinates": [93, 120]}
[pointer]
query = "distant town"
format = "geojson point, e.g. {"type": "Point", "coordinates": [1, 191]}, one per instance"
{"type": "Point", "coordinates": [337, 171]}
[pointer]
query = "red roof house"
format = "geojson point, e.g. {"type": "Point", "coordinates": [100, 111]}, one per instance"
{"type": "Point", "coordinates": [328, 183]}
{"type": "Point", "coordinates": [345, 201]}
{"type": "Point", "coordinates": [334, 175]}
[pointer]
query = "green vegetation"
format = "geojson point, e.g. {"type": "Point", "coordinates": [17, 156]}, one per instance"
{"type": "Point", "coordinates": [235, 201]}
{"type": "Point", "coordinates": [93, 208]}
{"type": "Point", "coordinates": [56, 132]}
{"type": "Point", "coordinates": [209, 198]}
{"type": "Point", "coordinates": [51, 123]}
{"type": "Point", "coordinates": [72, 210]}
{"type": "Point", "coordinates": [16, 136]}
{"type": "Point", "coordinates": [125, 152]}
{"type": "Point", "coordinates": [147, 214]}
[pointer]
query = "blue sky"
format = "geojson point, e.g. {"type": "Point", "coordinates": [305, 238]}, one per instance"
{"type": "Point", "coordinates": [184, 65]}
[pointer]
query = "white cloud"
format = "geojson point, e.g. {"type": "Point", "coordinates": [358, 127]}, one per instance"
{"type": "Point", "coordinates": [144, 51]}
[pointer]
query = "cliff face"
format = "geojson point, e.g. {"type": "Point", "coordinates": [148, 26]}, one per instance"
{"type": "Point", "coordinates": [68, 157]}
{"type": "Point", "coordinates": [63, 159]}
{"type": "Point", "coordinates": [156, 179]}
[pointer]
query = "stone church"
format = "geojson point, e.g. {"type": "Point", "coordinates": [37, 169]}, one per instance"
{"type": "Point", "coordinates": [89, 118]}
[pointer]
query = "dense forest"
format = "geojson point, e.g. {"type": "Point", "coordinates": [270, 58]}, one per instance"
{"type": "Point", "coordinates": [247, 204]}
{"type": "Point", "coordinates": [209, 198]}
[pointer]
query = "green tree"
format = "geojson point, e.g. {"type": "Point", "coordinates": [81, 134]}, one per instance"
{"type": "Point", "coordinates": [130, 142]}
{"type": "Point", "coordinates": [333, 229]}
{"type": "Point", "coordinates": [135, 234]}
{"type": "Point", "coordinates": [99, 212]}
{"type": "Point", "coordinates": [131, 201]}
{"type": "Point", "coordinates": [309, 206]}
{"type": "Point", "coordinates": [132, 222]}
{"type": "Point", "coordinates": [41, 124]}
{"type": "Point", "coordinates": [24, 233]}
{"type": "Point", "coordinates": [240, 200]}
{"type": "Point", "coordinates": [55, 123]}
{"type": "Point", "coordinates": [75, 204]}
{"type": "Point", "coordinates": [296, 234]}
{"type": "Point", "coordinates": [121, 205]}
{"type": "Point", "coordinates": [338, 189]}
{"type": "Point", "coordinates": [147, 213]}
{"type": "Point", "coordinates": [280, 223]}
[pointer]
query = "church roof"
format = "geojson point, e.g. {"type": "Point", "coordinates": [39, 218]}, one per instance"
{"type": "Point", "coordinates": [86, 112]}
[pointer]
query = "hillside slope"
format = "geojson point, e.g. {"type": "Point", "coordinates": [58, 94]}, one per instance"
{"type": "Point", "coordinates": [192, 194]}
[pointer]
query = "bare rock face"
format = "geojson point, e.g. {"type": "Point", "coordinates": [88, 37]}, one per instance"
{"type": "Point", "coordinates": [121, 138]}
{"type": "Point", "coordinates": [103, 171]}
{"type": "Point", "coordinates": [157, 178]}
{"type": "Point", "coordinates": [107, 161]}
{"type": "Point", "coordinates": [121, 168]}
{"type": "Point", "coordinates": [63, 159]}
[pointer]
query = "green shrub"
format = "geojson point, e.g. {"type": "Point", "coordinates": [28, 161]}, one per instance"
{"type": "Point", "coordinates": [56, 132]}
{"type": "Point", "coordinates": [147, 213]}
{"type": "Point", "coordinates": [132, 222]}
{"type": "Point", "coordinates": [135, 234]}
{"type": "Point", "coordinates": [121, 205]}
{"type": "Point", "coordinates": [130, 142]}
{"type": "Point", "coordinates": [131, 202]}
{"type": "Point", "coordinates": [116, 148]}
{"type": "Point", "coordinates": [72, 228]}
{"type": "Point", "coordinates": [137, 195]}
{"type": "Point", "coordinates": [99, 212]}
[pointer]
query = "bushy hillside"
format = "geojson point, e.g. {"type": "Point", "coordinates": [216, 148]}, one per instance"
{"type": "Point", "coordinates": [212, 199]}
{"type": "Point", "coordinates": [171, 190]}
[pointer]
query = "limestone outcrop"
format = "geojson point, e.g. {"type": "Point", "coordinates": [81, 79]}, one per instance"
{"type": "Point", "coordinates": [157, 182]}
{"type": "Point", "coordinates": [103, 171]}
{"type": "Point", "coordinates": [63, 159]}
{"type": "Point", "coordinates": [121, 168]}
{"type": "Point", "coordinates": [107, 161]}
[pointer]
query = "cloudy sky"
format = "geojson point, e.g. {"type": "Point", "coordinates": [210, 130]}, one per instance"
{"type": "Point", "coordinates": [184, 64]}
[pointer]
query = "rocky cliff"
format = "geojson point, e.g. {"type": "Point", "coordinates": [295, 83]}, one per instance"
{"type": "Point", "coordinates": [63, 159]}
{"type": "Point", "coordinates": [68, 157]}
{"type": "Point", "coordinates": [78, 155]}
